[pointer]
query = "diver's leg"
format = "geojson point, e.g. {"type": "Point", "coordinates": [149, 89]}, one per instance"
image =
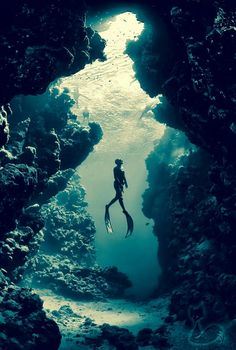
{"type": "Point", "coordinates": [122, 203]}
{"type": "Point", "coordinates": [112, 201]}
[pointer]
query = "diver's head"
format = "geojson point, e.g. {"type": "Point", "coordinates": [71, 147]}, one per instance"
{"type": "Point", "coordinates": [119, 162]}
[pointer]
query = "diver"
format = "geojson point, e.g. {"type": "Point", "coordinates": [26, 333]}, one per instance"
{"type": "Point", "coordinates": [86, 114]}
{"type": "Point", "coordinates": [6, 110]}
{"type": "Point", "coordinates": [149, 107]}
{"type": "Point", "coordinates": [119, 183]}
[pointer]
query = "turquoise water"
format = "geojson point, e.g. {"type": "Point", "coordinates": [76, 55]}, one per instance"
{"type": "Point", "coordinates": [115, 100]}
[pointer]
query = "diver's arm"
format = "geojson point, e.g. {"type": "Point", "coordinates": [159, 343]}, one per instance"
{"type": "Point", "coordinates": [116, 176]}
{"type": "Point", "coordinates": [125, 181]}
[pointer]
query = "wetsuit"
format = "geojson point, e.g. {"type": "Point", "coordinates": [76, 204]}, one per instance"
{"type": "Point", "coordinates": [120, 181]}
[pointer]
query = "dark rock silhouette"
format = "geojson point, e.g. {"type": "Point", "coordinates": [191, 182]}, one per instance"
{"type": "Point", "coordinates": [31, 175]}
{"type": "Point", "coordinates": [21, 317]}
{"type": "Point", "coordinates": [121, 338]}
{"type": "Point", "coordinates": [195, 226]}
{"type": "Point", "coordinates": [40, 43]}
{"type": "Point", "coordinates": [17, 183]}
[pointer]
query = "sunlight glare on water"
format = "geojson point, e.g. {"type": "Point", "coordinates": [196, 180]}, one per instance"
{"type": "Point", "coordinates": [111, 93]}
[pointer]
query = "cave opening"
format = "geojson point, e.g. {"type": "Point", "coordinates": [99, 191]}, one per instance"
{"type": "Point", "coordinates": [116, 101]}
{"type": "Point", "coordinates": [49, 151]}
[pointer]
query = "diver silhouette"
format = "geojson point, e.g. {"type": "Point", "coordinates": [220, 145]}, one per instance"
{"type": "Point", "coordinates": [119, 183]}
{"type": "Point", "coordinates": [86, 114]}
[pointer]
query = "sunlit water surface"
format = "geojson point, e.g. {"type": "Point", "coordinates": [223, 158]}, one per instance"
{"type": "Point", "coordinates": [115, 100]}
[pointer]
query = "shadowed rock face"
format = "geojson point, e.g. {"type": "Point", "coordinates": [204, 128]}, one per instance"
{"type": "Point", "coordinates": [17, 182]}
{"type": "Point", "coordinates": [41, 42]}
{"type": "Point", "coordinates": [30, 176]}
{"type": "Point", "coordinates": [40, 142]}
{"type": "Point", "coordinates": [191, 201]}
{"type": "Point", "coordinates": [187, 60]}
{"type": "Point", "coordinates": [31, 163]}
{"type": "Point", "coordinates": [23, 323]}
{"type": "Point", "coordinates": [194, 206]}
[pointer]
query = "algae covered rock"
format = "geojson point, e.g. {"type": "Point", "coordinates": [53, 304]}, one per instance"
{"type": "Point", "coordinates": [23, 323]}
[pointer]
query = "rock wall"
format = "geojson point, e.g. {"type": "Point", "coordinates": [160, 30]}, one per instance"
{"type": "Point", "coordinates": [184, 54]}
{"type": "Point", "coordinates": [23, 323]}
{"type": "Point", "coordinates": [36, 165]}
{"type": "Point", "coordinates": [46, 141]}
{"type": "Point", "coordinates": [39, 43]}
{"type": "Point", "coordinates": [193, 204]}
{"type": "Point", "coordinates": [194, 214]}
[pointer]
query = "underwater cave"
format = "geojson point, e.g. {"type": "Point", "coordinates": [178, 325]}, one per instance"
{"type": "Point", "coordinates": [82, 85]}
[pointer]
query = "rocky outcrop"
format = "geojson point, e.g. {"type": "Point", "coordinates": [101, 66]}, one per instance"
{"type": "Point", "coordinates": [23, 323]}
{"type": "Point", "coordinates": [181, 54]}
{"type": "Point", "coordinates": [4, 130]}
{"type": "Point", "coordinates": [94, 336]}
{"type": "Point", "coordinates": [38, 147]}
{"type": "Point", "coordinates": [69, 229]}
{"type": "Point", "coordinates": [63, 276]}
{"type": "Point", "coordinates": [53, 131]}
{"type": "Point", "coordinates": [191, 202]}
{"type": "Point", "coordinates": [78, 141]}
{"type": "Point", "coordinates": [29, 176]}
{"type": "Point", "coordinates": [31, 163]}
{"type": "Point", "coordinates": [66, 262]}
{"type": "Point", "coordinates": [17, 183]}
{"type": "Point", "coordinates": [40, 43]}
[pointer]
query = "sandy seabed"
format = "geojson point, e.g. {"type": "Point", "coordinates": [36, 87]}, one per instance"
{"type": "Point", "coordinates": [80, 320]}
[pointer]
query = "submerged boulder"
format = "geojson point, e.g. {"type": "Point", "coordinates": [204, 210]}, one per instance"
{"type": "Point", "coordinates": [195, 226]}
{"type": "Point", "coordinates": [17, 183]}
{"type": "Point", "coordinates": [23, 323]}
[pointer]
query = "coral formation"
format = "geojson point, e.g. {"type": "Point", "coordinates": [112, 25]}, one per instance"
{"type": "Point", "coordinates": [23, 323]}
{"type": "Point", "coordinates": [42, 42]}
{"type": "Point", "coordinates": [193, 201]}
{"type": "Point", "coordinates": [193, 208]}
{"type": "Point", "coordinates": [181, 54]}
{"type": "Point", "coordinates": [66, 262]}
{"type": "Point", "coordinates": [121, 338]}
{"type": "Point", "coordinates": [38, 45]}
{"type": "Point", "coordinates": [31, 163]}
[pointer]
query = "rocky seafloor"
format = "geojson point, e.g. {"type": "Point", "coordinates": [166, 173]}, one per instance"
{"type": "Point", "coordinates": [186, 53]}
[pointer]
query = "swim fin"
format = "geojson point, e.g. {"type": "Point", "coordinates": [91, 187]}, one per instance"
{"type": "Point", "coordinates": [130, 224]}
{"type": "Point", "coordinates": [108, 220]}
